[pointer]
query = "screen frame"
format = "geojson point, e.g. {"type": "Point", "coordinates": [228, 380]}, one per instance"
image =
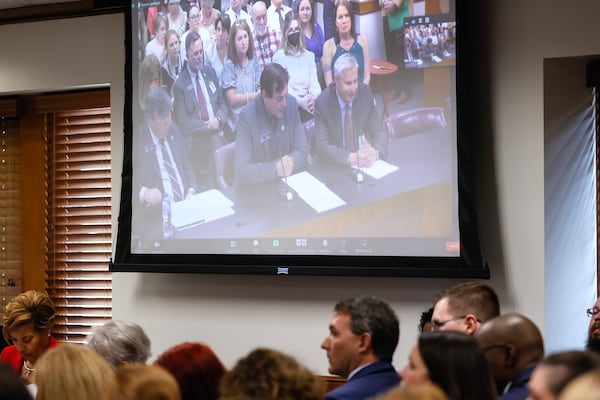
{"type": "Point", "coordinates": [469, 264]}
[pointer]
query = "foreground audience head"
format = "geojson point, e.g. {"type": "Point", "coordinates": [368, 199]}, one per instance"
{"type": "Point", "coordinates": [584, 387]}
{"type": "Point", "coordinates": [423, 391]}
{"type": "Point", "coordinates": [464, 307]}
{"type": "Point", "coordinates": [452, 360]}
{"type": "Point", "coordinates": [11, 385]}
{"type": "Point", "coordinates": [142, 382]}
{"type": "Point", "coordinates": [593, 342]}
{"type": "Point", "coordinates": [512, 343]}
{"type": "Point", "coordinates": [71, 372]}
{"type": "Point", "coordinates": [268, 374]}
{"type": "Point", "coordinates": [554, 372]}
{"type": "Point", "coordinates": [363, 330]}
{"type": "Point", "coordinates": [120, 342]}
{"type": "Point", "coordinates": [425, 321]}
{"type": "Point", "coordinates": [196, 368]}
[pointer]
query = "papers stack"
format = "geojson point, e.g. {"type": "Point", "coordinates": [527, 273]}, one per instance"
{"type": "Point", "coordinates": [200, 208]}
{"type": "Point", "coordinates": [314, 192]}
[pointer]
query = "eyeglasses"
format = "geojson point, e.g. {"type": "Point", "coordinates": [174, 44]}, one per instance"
{"type": "Point", "coordinates": [592, 312]}
{"type": "Point", "coordinates": [437, 325]}
{"type": "Point", "coordinates": [195, 16]}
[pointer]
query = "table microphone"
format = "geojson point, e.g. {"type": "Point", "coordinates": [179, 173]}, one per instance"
{"type": "Point", "coordinates": [358, 172]}
{"type": "Point", "coordinates": [285, 192]}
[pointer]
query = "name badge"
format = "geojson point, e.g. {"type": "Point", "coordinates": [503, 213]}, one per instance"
{"type": "Point", "coordinates": [265, 137]}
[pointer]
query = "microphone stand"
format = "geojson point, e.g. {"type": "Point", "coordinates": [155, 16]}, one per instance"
{"type": "Point", "coordinates": [359, 175]}
{"type": "Point", "coordinates": [286, 194]}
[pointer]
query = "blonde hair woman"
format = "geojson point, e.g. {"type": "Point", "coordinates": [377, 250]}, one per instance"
{"type": "Point", "coordinates": [71, 372]}
{"type": "Point", "coordinates": [423, 391]}
{"type": "Point", "coordinates": [142, 382]}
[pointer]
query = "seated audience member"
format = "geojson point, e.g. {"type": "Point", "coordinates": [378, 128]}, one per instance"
{"type": "Point", "coordinates": [554, 372]}
{"type": "Point", "coordinates": [142, 382]}
{"type": "Point", "coordinates": [216, 53]}
{"type": "Point", "coordinates": [196, 368]}
{"type": "Point", "coordinates": [173, 64]}
{"type": "Point", "coordinates": [346, 40]}
{"type": "Point", "coordinates": [347, 128]}
{"type": "Point", "coordinates": [513, 345]}
{"type": "Point", "coordinates": [177, 17]}
{"type": "Point", "coordinates": [266, 39]}
{"type": "Point", "coordinates": [584, 387]}
{"type": "Point", "coordinates": [160, 7]}
{"type": "Point", "coordinates": [270, 139]}
{"type": "Point", "coordinates": [310, 28]}
{"type": "Point", "coordinates": [194, 26]}
{"type": "Point", "coordinates": [72, 372]}
{"type": "Point", "coordinates": [425, 321]}
{"type": "Point", "coordinates": [27, 326]}
{"type": "Point", "coordinates": [276, 15]}
{"type": "Point", "coordinates": [593, 341]}
{"type": "Point", "coordinates": [453, 361]}
{"type": "Point", "coordinates": [237, 14]}
{"type": "Point", "coordinates": [120, 342]}
{"type": "Point", "coordinates": [161, 162]}
{"type": "Point", "coordinates": [149, 76]}
{"type": "Point", "coordinates": [300, 64]}
{"type": "Point", "coordinates": [157, 45]}
{"type": "Point", "coordinates": [240, 79]}
{"type": "Point", "coordinates": [363, 335]}
{"type": "Point", "coordinates": [267, 374]}
{"type": "Point", "coordinates": [199, 109]}
{"type": "Point", "coordinates": [422, 391]}
{"type": "Point", "coordinates": [11, 385]}
{"type": "Point", "coordinates": [464, 307]}
{"type": "Point", "coordinates": [209, 16]}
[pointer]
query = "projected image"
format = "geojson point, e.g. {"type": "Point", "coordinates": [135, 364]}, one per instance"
{"type": "Point", "coordinates": [239, 146]}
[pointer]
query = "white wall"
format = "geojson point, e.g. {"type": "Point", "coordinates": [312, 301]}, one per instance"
{"type": "Point", "coordinates": [236, 313]}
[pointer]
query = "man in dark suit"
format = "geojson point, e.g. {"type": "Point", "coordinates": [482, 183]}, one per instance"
{"type": "Point", "coordinates": [363, 335]}
{"type": "Point", "coordinates": [161, 167]}
{"type": "Point", "coordinates": [200, 108]}
{"type": "Point", "coordinates": [347, 129]}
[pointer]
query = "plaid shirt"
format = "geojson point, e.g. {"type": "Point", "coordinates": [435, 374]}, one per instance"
{"type": "Point", "coordinates": [266, 46]}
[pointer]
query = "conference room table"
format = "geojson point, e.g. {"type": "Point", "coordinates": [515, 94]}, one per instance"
{"type": "Point", "coordinates": [421, 185]}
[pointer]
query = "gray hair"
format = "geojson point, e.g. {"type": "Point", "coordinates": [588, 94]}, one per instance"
{"type": "Point", "coordinates": [345, 61]}
{"type": "Point", "coordinates": [120, 342]}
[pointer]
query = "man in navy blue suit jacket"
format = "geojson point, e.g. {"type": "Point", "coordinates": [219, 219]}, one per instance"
{"type": "Point", "coordinates": [363, 335]}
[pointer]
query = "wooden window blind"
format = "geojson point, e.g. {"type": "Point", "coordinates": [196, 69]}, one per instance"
{"type": "Point", "coordinates": [78, 211]}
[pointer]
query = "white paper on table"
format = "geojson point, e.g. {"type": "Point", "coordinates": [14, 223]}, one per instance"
{"type": "Point", "coordinates": [314, 192]}
{"type": "Point", "coordinates": [200, 208]}
{"type": "Point", "coordinates": [378, 169]}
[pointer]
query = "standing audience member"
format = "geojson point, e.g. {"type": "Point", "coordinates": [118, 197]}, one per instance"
{"type": "Point", "coordinates": [329, 7]}
{"type": "Point", "coordinates": [276, 15]}
{"type": "Point", "coordinates": [266, 40]}
{"type": "Point", "coordinates": [300, 64]}
{"type": "Point", "coordinates": [593, 341]}
{"type": "Point", "coordinates": [27, 326]}
{"type": "Point", "coordinates": [267, 374]}
{"type": "Point", "coordinates": [196, 368]}
{"type": "Point", "coordinates": [11, 385]}
{"type": "Point", "coordinates": [209, 16]}
{"type": "Point", "coordinates": [199, 109]}
{"type": "Point", "coordinates": [142, 382]}
{"type": "Point", "coordinates": [554, 372]}
{"type": "Point", "coordinates": [513, 345]}
{"type": "Point", "coordinates": [363, 335]}
{"type": "Point", "coordinates": [237, 14]}
{"type": "Point", "coordinates": [422, 391]}
{"type": "Point", "coordinates": [216, 53]}
{"type": "Point", "coordinates": [584, 387]}
{"type": "Point", "coordinates": [270, 139]}
{"type": "Point", "coordinates": [453, 361]}
{"type": "Point", "coordinates": [194, 26]}
{"type": "Point", "coordinates": [120, 342]}
{"type": "Point", "coordinates": [72, 372]}
{"type": "Point", "coordinates": [464, 307]}
{"type": "Point", "coordinates": [240, 79]}
{"type": "Point", "coordinates": [156, 46]}
{"type": "Point", "coordinates": [177, 17]}
{"type": "Point", "coordinates": [347, 128]}
{"type": "Point", "coordinates": [346, 40]}
{"type": "Point", "coordinates": [173, 64]}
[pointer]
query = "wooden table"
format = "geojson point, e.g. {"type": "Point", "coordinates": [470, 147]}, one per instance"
{"type": "Point", "coordinates": [382, 82]}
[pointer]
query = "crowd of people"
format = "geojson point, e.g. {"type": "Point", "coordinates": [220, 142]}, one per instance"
{"type": "Point", "coordinates": [466, 350]}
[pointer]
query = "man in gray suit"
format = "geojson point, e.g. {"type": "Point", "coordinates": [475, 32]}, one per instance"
{"type": "Point", "coordinates": [200, 108]}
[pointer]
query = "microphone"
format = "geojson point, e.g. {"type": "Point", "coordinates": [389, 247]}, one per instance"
{"type": "Point", "coordinates": [359, 175]}
{"type": "Point", "coordinates": [285, 192]}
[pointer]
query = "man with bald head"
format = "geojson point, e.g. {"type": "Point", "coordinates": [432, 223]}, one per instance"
{"type": "Point", "coordinates": [513, 345]}
{"type": "Point", "coordinates": [464, 307]}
